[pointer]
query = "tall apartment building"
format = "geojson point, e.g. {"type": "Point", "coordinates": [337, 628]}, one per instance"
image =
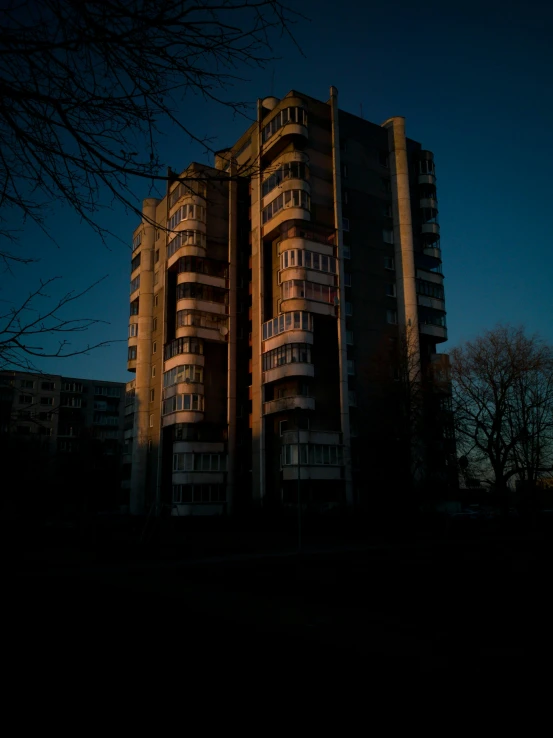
{"type": "Point", "coordinates": [61, 432]}
{"type": "Point", "coordinates": [272, 297]}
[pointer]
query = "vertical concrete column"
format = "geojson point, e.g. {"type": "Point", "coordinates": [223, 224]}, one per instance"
{"type": "Point", "coordinates": [258, 440]}
{"type": "Point", "coordinates": [143, 361]}
{"type": "Point", "coordinates": [342, 343]}
{"type": "Point", "coordinates": [403, 241]}
{"type": "Point", "coordinates": [231, 349]}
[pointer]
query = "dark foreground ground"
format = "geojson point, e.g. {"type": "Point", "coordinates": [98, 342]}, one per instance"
{"type": "Point", "coordinates": [465, 604]}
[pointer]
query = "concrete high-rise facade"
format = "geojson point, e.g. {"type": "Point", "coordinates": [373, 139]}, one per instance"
{"type": "Point", "coordinates": [286, 307]}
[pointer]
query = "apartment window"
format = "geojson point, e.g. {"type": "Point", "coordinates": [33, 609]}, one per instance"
{"type": "Point", "coordinates": [135, 284]}
{"type": "Point", "coordinates": [386, 186]}
{"type": "Point", "coordinates": [186, 212]}
{"type": "Point", "coordinates": [347, 279]}
{"type": "Point", "coordinates": [199, 462]}
{"type": "Point", "coordinates": [290, 170]}
{"type": "Point", "coordinates": [391, 316]}
{"type": "Point", "coordinates": [390, 290]}
{"type": "Point", "coordinates": [345, 197]}
{"type": "Point", "coordinates": [351, 367]}
{"type": "Point", "coordinates": [388, 235]}
{"type": "Point", "coordinates": [152, 395]}
{"type": "Point", "coordinates": [154, 347]}
{"type": "Point", "coordinates": [349, 338]}
{"type": "Point", "coordinates": [154, 325]}
{"type": "Point", "coordinates": [158, 234]}
{"type": "Point", "coordinates": [156, 277]}
{"type": "Point", "coordinates": [282, 427]}
{"type": "Point", "coordinates": [389, 262]}
{"type": "Point", "coordinates": [156, 300]}
{"type": "Point", "coordinates": [132, 353]}
{"type": "Point", "coordinates": [347, 252]}
{"type": "Point", "coordinates": [383, 159]}
{"type": "Point", "coordinates": [26, 383]}
{"type": "Point", "coordinates": [184, 346]}
{"type": "Point", "coordinates": [135, 263]}
{"type": "Point", "coordinates": [151, 421]}
{"type": "Point", "coordinates": [133, 330]}
{"type": "Point", "coordinates": [153, 371]}
{"type": "Point", "coordinates": [288, 115]}
{"type": "Point", "coordinates": [25, 399]}
{"type": "Point", "coordinates": [157, 254]}
{"type": "Point", "coordinates": [288, 354]}
{"type": "Point", "coordinates": [186, 493]}
{"type": "Point", "coordinates": [72, 387]}
{"type": "Point", "coordinates": [183, 373]}
{"type": "Point", "coordinates": [183, 402]}
{"type": "Point", "coordinates": [137, 240]}
{"type": "Point", "coordinates": [288, 199]}
{"type": "Point", "coordinates": [344, 171]}
{"type": "Point", "coordinates": [349, 308]}
{"type": "Point", "coordinates": [387, 211]}
{"type": "Point", "coordinates": [345, 224]}
{"type": "Point", "coordinates": [48, 386]}
{"type": "Point", "coordinates": [134, 307]}
{"type": "Point", "coordinates": [46, 400]}
{"type": "Point", "coordinates": [352, 399]}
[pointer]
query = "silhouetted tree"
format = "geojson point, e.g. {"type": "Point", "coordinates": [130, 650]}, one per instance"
{"type": "Point", "coordinates": [503, 404]}
{"type": "Point", "coordinates": [84, 89]}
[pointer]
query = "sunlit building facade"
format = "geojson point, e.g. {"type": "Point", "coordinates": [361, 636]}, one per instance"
{"type": "Point", "coordinates": [270, 297]}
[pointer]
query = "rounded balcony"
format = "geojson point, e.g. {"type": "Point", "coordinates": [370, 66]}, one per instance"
{"type": "Point", "coordinates": [197, 447]}
{"type": "Point", "coordinates": [289, 360]}
{"type": "Point", "coordinates": [294, 203]}
{"type": "Point", "coordinates": [286, 124]}
{"type": "Point", "coordinates": [427, 179]}
{"type": "Point", "coordinates": [184, 358]}
{"type": "Point", "coordinates": [131, 365]}
{"type": "Point", "coordinates": [430, 229]}
{"type": "Point", "coordinates": [286, 404]}
{"type": "Point", "coordinates": [193, 477]}
{"type": "Point", "coordinates": [432, 251]}
{"type": "Point", "coordinates": [182, 416]}
{"type": "Point", "coordinates": [288, 370]}
{"type": "Point", "coordinates": [201, 278]}
{"type": "Point", "coordinates": [438, 332]}
{"type": "Point", "coordinates": [184, 387]}
{"type": "Point", "coordinates": [187, 242]}
{"type": "Point", "coordinates": [428, 202]}
{"type": "Point", "coordinates": [202, 305]}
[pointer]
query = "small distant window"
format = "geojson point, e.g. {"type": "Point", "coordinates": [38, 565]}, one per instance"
{"type": "Point", "coordinates": [390, 290]}
{"type": "Point", "coordinates": [349, 308]}
{"type": "Point", "coordinates": [152, 395]}
{"type": "Point", "coordinates": [387, 211]}
{"type": "Point", "coordinates": [283, 426]}
{"type": "Point", "coordinates": [343, 144]}
{"type": "Point", "coordinates": [157, 253]}
{"type": "Point", "coordinates": [151, 421]}
{"type": "Point", "coordinates": [351, 367]}
{"type": "Point", "coordinates": [387, 235]}
{"type": "Point", "coordinates": [349, 338]}
{"type": "Point", "coordinates": [347, 252]}
{"type": "Point", "coordinates": [345, 171]}
{"type": "Point", "coordinates": [345, 224]}
{"type": "Point", "coordinates": [383, 159]}
{"type": "Point", "coordinates": [158, 234]}
{"type": "Point", "coordinates": [386, 186]}
{"type": "Point", "coordinates": [155, 324]}
{"type": "Point", "coordinates": [345, 197]}
{"type": "Point", "coordinates": [154, 347]}
{"type": "Point", "coordinates": [391, 316]}
{"type": "Point", "coordinates": [156, 300]}
{"type": "Point", "coordinates": [153, 371]}
{"type": "Point", "coordinates": [347, 279]}
{"type": "Point", "coordinates": [389, 262]}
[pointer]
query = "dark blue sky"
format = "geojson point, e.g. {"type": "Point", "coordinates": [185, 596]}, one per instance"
{"type": "Point", "coordinates": [474, 82]}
